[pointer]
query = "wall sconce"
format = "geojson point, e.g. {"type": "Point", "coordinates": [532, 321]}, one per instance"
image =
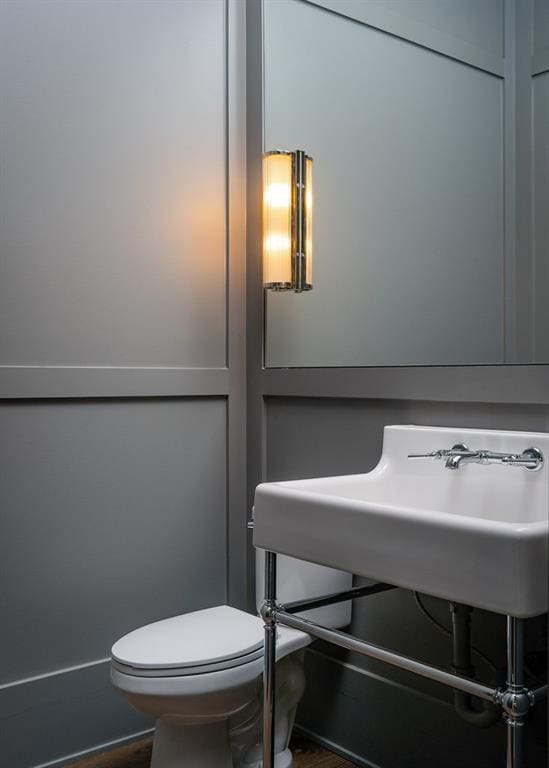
{"type": "Point", "coordinates": [287, 221]}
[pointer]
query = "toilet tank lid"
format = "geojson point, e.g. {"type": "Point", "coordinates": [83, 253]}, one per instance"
{"type": "Point", "coordinates": [201, 637]}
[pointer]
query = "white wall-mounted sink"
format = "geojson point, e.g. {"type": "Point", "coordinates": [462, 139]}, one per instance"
{"type": "Point", "coordinates": [477, 535]}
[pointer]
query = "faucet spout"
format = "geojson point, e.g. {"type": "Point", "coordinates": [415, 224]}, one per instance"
{"type": "Point", "coordinates": [463, 457]}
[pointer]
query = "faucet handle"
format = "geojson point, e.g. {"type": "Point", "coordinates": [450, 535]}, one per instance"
{"type": "Point", "coordinates": [531, 458]}
{"type": "Point", "coordinates": [432, 455]}
{"type": "Point", "coordinates": [442, 453]}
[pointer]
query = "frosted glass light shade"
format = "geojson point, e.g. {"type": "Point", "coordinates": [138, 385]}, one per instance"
{"type": "Point", "coordinates": [277, 220]}
{"type": "Point", "coordinates": [287, 221]}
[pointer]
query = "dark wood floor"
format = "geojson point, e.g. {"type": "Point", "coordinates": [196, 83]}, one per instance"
{"type": "Point", "coordinates": [138, 755]}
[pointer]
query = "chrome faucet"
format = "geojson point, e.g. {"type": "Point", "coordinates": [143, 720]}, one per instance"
{"type": "Point", "coordinates": [460, 454]}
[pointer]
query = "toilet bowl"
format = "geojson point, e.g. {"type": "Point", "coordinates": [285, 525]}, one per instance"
{"type": "Point", "coordinates": [200, 676]}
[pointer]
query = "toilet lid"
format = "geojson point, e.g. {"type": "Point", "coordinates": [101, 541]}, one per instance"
{"type": "Point", "coordinates": [194, 639]}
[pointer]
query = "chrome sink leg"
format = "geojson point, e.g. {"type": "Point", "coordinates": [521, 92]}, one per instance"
{"type": "Point", "coordinates": [268, 613]}
{"type": "Point", "coordinates": [514, 744]}
{"type": "Point", "coordinates": [516, 700]}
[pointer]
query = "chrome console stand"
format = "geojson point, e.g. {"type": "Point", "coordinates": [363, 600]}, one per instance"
{"type": "Point", "coordinates": [268, 614]}
{"type": "Point", "coordinates": [514, 699]}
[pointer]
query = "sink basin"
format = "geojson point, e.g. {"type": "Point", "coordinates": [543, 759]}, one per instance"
{"type": "Point", "coordinates": [477, 535]}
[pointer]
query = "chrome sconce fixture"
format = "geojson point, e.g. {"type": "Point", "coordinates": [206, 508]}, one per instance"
{"type": "Point", "coordinates": [287, 221]}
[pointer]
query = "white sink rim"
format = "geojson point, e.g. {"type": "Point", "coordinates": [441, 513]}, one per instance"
{"type": "Point", "coordinates": [502, 555]}
{"type": "Point", "coordinates": [414, 513]}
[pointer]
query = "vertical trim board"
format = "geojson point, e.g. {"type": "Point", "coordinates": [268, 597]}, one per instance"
{"type": "Point", "coordinates": [235, 36]}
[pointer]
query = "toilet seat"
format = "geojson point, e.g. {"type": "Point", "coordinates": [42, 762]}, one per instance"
{"type": "Point", "coordinates": [199, 669]}
{"type": "Point", "coordinates": [202, 679]}
{"type": "Point", "coordinates": [195, 643]}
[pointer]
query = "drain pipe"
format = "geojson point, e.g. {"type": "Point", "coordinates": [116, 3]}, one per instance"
{"type": "Point", "coordinates": [461, 636]}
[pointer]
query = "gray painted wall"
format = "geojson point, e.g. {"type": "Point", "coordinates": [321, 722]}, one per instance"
{"type": "Point", "coordinates": [113, 178]}
{"type": "Point", "coordinates": [106, 517]}
{"type": "Point", "coordinates": [122, 423]}
{"type": "Point", "coordinates": [541, 33]}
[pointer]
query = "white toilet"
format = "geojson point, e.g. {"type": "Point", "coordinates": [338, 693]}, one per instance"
{"type": "Point", "coordinates": [200, 674]}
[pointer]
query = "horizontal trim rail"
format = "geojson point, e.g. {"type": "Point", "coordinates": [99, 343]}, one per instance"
{"type": "Point", "coordinates": [71, 758]}
{"type": "Point", "coordinates": [50, 381]}
{"type": "Point", "coordinates": [428, 671]}
{"type": "Point", "coordinates": [337, 597]}
{"type": "Point", "coordinates": [53, 673]}
{"type": "Point", "coordinates": [475, 384]}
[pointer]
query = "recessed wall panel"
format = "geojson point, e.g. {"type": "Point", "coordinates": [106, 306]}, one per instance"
{"type": "Point", "coordinates": [112, 515]}
{"type": "Point", "coordinates": [112, 237]}
{"type": "Point", "coordinates": [541, 29]}
{"type": "Point", "coordinates": [408, 196]}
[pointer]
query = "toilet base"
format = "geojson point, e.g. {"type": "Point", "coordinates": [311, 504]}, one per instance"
{"type": "Point", "coordinates": [246, 730]}
{"type": "Point", "coordinates": [190, 746]}
{"type": "Point", "coordinates": [199, 746]}
{"type": "Point", "coordinates": [282, 760]}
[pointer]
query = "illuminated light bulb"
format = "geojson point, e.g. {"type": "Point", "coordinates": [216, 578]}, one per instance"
{"type": "Point", "coordinates": [279, 243]}
{"type": "Point", "coordinates": [278, 195]}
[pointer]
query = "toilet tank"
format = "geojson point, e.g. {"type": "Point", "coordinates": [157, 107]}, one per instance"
{"type": "Point", "coordinates": [297, 580]}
